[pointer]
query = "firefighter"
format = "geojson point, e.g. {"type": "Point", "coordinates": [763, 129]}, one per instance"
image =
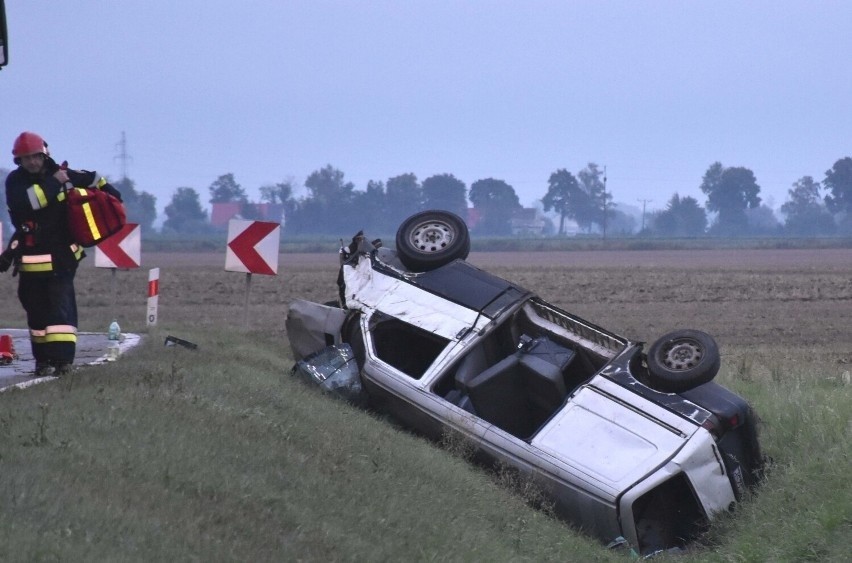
{"type": "Point", "coordinates": [43, 252]}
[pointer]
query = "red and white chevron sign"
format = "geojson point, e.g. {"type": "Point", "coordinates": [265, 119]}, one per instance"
{"type": "Point", "coordinates": [252, 247]}
{"type": "Point", "coordinates": [121, 250]}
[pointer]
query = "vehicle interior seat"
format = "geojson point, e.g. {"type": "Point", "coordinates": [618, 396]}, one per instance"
{"type": "Point", "coordinates": [482, 356]}
{"type": "Point", "coordinates": [545, 386]}
{"type": "Point", "coordinates": [518, 393]}
{"type": "Point", "coordinates": [472, 365]}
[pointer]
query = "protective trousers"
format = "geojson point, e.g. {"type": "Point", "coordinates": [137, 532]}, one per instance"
{"type": "Point", "coordinates": [51, 308]}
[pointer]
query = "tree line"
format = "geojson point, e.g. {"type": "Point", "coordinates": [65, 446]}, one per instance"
{"type": "Point", "coordinates": [332, 205]}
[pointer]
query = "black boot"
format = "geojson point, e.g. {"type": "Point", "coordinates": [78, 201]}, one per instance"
{"type": "Point", "coordinates": [62, 368]}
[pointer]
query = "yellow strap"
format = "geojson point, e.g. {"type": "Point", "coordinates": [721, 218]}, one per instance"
{"type": "Point", "coordinates": [90, 219]}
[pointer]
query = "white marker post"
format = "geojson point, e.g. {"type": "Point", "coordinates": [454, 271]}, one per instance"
{"type": "Point", "coordinates": [153, 295]}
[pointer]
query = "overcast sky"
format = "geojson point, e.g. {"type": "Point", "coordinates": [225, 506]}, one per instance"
{"type": "Point", "coordinates": [271, 90]}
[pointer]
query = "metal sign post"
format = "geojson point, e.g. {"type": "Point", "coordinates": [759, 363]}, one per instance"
{"type": "Point", "coordinates": [248, 299]}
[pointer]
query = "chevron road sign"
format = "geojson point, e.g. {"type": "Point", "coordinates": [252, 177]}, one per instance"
{"type": "Point", "coordinates": [252, 247]}
{"type": "Point", "coordinates": [122, 250]}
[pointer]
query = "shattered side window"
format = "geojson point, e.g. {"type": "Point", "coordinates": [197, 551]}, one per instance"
{"type": "Point", "coordinates": [335, 371]}
{"type": "Point", "coordinates": [408, 348]}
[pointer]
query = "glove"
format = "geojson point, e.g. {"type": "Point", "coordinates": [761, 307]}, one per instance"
{"type": "Point", "coordinates": [81, 177]}
{"type": "Point", "coordinates": [7, 259]}
{"type": "Point", "coordinates": [50, 166]}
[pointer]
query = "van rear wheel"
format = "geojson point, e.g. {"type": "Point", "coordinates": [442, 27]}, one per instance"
{"type": "Point", "coordinates": [683, 359]}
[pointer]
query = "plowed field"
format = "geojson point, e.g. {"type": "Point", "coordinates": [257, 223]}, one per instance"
{"type": "Point", "coordinates": [762, 303]}
{"type": "Point", "coordinates": [745, 298]}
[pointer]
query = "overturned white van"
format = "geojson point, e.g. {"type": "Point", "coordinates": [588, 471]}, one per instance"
{"type": "Point", "coordinates": [632, 446]}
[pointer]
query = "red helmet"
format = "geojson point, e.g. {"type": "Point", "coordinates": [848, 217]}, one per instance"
{"type": "Point", "coordinates": [28, 143]}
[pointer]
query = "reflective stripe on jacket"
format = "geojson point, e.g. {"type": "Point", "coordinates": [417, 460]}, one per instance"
{"type": "Point", "coordinates": [33, 263]}
{"type": "Point", "coordinates": [38, 199]}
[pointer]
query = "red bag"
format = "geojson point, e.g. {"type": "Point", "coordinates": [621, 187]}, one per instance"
{"type": "Point", "coordinates": [93, 215]}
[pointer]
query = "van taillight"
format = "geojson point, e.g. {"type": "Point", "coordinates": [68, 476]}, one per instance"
{"type": "Point", "coordinates": [718, 427]}
{"type": "Point", "coordinates": [712, 425]}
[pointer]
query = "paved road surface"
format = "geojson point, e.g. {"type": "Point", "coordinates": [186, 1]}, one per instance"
{"type": "Point", "coordinates": [92, 349]}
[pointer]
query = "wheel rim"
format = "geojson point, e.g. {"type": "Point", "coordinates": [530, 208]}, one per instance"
{"type": "Point", "coordinates": [682, 355]}
{"type": "Point", "coordinates": [432, 236]}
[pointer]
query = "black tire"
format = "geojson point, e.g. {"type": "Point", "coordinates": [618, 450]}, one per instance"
{"type": "Point", "coordinates": [681, 360]}
{"type": "Point", "coordinates": [431, 239]}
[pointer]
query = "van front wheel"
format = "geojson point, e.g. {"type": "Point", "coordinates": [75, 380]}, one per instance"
{"type": "Point", "coordinates": [431, 239]}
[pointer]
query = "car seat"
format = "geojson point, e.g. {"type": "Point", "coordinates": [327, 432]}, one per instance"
{"type": "Point", "coordinates": [518, 394]}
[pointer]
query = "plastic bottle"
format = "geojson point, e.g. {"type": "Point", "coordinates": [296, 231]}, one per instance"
{"type": "Point", "coordinates": [113, 351]}
{"type": "Point", "coordinates": [114, 335]}
{"type": "Point", "coordinates": [114, 330]}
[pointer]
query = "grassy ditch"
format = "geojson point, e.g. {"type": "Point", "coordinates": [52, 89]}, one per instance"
{"type": "Point", "coordinates": [219, 454]}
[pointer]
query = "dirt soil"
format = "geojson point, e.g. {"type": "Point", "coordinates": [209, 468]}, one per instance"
{"type": "Point", "coordinates": [742, 297]}
{"type": "Point", "coordinates": [764, 304]}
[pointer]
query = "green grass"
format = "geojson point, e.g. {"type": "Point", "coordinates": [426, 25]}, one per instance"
{"type": "Point", "coordinates": [218, 454]}
{"type": "Point", "coordinates": [804, 510]}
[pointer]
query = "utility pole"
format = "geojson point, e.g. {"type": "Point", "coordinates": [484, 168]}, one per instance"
{"type": "Point", "coordinates": [644, 202]}
{"type": "Point", "coordinates": [604, 203]}
{"type": "Point", "coordinates": [122, 155]}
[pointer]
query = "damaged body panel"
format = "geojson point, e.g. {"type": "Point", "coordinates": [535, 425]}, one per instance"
{"type": "Point", "coordinates": [571, 405]}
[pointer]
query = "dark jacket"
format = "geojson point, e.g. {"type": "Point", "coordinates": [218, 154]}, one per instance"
{"type": "Point", "coordinates": [42, 243]}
